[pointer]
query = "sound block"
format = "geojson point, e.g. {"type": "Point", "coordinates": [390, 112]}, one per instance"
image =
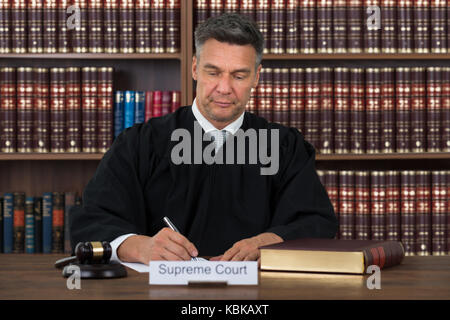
{"type": "Point", "coordinates": [96, 271]}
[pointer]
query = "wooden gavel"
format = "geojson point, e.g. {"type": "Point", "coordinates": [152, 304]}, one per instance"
{"type": "Point", "coordinates": [91, 252]}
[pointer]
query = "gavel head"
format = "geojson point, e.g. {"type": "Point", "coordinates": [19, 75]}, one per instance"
{"type": "Point", "coordinates": [93, 252]}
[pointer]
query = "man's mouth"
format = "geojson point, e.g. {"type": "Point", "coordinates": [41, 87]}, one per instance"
{"type": "Point", "coordinates": [223, 103]}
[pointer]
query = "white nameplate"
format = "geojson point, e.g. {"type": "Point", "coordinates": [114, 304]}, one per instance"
{"type": "Point", "coordinates": [185, 272]}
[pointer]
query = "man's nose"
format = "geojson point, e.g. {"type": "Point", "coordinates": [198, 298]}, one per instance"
{"type": "Point", "coordinates": [224, 85]}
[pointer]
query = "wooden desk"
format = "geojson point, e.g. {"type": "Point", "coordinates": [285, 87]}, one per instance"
{"type": "Point", "coordinates": [33, 276]}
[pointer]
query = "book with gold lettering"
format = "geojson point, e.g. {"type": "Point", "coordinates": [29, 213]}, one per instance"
{"type": "Point", "coordinates": [331, 255]}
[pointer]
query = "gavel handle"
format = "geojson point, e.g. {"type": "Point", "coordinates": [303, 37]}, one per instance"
{"type": "Point", "coordinates": [65, 261]}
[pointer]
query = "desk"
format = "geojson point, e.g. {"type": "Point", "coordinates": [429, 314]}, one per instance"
{"type": "Point", "coordinates": [33, 276]}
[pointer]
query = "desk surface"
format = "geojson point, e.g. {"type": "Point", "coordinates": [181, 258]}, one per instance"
{"type": "Point", "coordinates": [26, 276]}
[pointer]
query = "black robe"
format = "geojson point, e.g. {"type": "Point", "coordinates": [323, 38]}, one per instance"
{"type": "Point", "coordinates": [136, 184]}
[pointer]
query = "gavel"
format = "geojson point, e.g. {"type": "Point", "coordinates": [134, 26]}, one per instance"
{"type": "Point", "coordinates": [91, 252]}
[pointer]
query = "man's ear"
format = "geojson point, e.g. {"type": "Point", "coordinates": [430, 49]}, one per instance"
{"type": "Point", "coordinates": [194, 67]}
{"type": "Point", "coordinates": [258, 70]}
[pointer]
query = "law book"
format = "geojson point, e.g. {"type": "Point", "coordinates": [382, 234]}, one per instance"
{"type": "Point", "coordinates": [307, 26]}
{"type": "Point", "coordinates": [50, 26]}
{"type": "Point", "coordinates": [38, 225]}
{"type": "Point", "coordinates": [126, 26]}
{"type": "Point", "coordinates": [73, 109]}
{"type": "Point", "coordinates": [104, 108]}
{"type": "Point", "coordinates": [175, 101]}
{"type": "Point", "coordinates": [264, 93]}
{"type": "Point", "coordinates": [388, 26]}
{"type": "Point", "coordinates": [405, 26]}
{"type": "Point", "coordinates": [47, 222]}
{"type": "Point", "coordinates": [230, 6]}
{"type": "Point", "coordinates": [277, 22]}
{"type": "Point", "coordinates": [157, 104]}
{"type": "Point", "coordinates": [129, 109]}
{"type": "Point", "coordinates": [251, 104]}
{"type": "Point", "coordinates": [263, 21]}
{"type": "Point", "coordinates": [142, 22]}
{"type": "Point", "coordinates": [19, 26]}
{"type": "Point", "coordinates": [438, 27]}
{"type": "Point", "coordinates": [357, 111]}
{"type": "Point", "coordinates": [139, 107]}
{"type": "Point", "coordinates": [325, 122]}
{"type": "Point", "coordinates": [281, 96]}
{"type": "Point", "coordinates": [216, 7]}
{"type": "Point", "coordinates": [332, 188]}
{"type": "Point", "coordinates": [418, 109]}
{"type": "Point", "coordinates": [372, 34]}
{"type": "Point", "coordinates": [341, 110]}
{"type": "Point", "coordinates": [89, 109]}
{"type": "Point", "coordinates": [330, 255]}
{"type": "Point", "coordinates": [35, 32]}
{"type": "Point", "coordinates": [58, 222]}
{"type": "Point", "coordinates": [19, 222]}
{"type": "Point", "coordinates": [423, 213]}
{"type": "Point", "coordinates": [172, 26]}
{"type": "Point", "coordinates": [312, 106]}
{"type": "Point", "coordinates": [111, 26]}
{"type": "Point", "coordinates": [292, 21]}
{"type": "Point", "coordinates": [373, 110]}
{"type": "Point", "coordinates": [403, 109]}
{"type": "Point", "coordinates": [201, 12]}
{"type": "Point", "coordinates": [69, 203]}
{"type": "Point", "coordinates": [378, 205]}
{"type": "Point", "coordinates": [158, 27]}
{"type": "Point", "coordinates": [57, 109]}
{"type": "Point", "coordinates": [393, 221]}
{"type": "Point", "coordinates": [408, 211]}
{"type": "Point", "coordinates": [5, 26]}
{"type": "Point", "coordinates": [439, 197]}
{"type": "Point", "coordinates": [119, 112]}
{"type": "Point", "coordinates": [388, 110]}
{"type": "Point", "coordinates": [338, 32]}
{"type": "Point", "coordinates": [421, 23]}
{"type": "Point", "coordinates": [8, 222]}
{"type": "Point", "coordinates": [445, 139]}
{"type": "Point", "coordinates": [148, 105]}
{"type": "Point", "coordinates": [8, 124]}
{"type": "Point", "coordinates": [29, 225]}
{"type": "Point", "coordinates": [325, 26]}
{"type": "Point", "coordinates": [362, 205]}
{"type": "Point", "coordinates": [355, 24]}
{"type": "Point", "coordinates": [296, 98]}
{"type": "Point", "coordinates": [95, 26]}
{"type": "Point", "coordinates": [80, 32]}
{"type": "Point", "coordinates": [433, 108]}
{"type": "Point", "coordinates": [346, 204]}
{"type": "Point", "coordinates": [166, 101]}
{"type": "Point", "coordinates": [41, 111]}
{"type": "Point", "coordinates": [64, 35]}
{"type": "Point", "coordinates": [25, 79]}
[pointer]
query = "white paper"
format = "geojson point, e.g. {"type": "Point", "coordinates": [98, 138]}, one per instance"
{"type": "Point", "coordinates": [183, 272]}
{"type": "Point", "coordinates": [142, 268]}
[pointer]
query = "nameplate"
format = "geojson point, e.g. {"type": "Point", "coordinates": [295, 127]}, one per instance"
{"type": "Point", "coordinates": [206, 272]}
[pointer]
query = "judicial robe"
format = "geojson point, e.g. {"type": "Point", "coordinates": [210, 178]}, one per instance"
{"type": "Point", "coordinates": [214, 205]}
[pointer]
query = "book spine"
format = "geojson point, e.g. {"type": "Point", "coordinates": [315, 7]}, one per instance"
{"type": "Point", "coordinates": [388, 110]}
{"type": "Point", "coordinates": [19, 222]}
{"type": "Point", "coordinates": [373, 110]}
{"type": "Point", "coordinates": [57, 109]}
{"type": "Point", "coordinates": [341, 110]}
{"type": "Point", "coordinates": [362, 205]}
{"type": "Point", "coordinates": [95, 26]}
{"type": "Point", "coordinates": [297, 98]}
{"type": "Point", "coordinates": [263, 21]}
{"type": "Point", "coordinates": [79, 39]}
{"type": "Point", "coordinates": [332, 188]}
{"type": "Point", "coordinates": [384, 255]}
{"type": "Point", "coordinates": [5, 26]}
{"type": "Point", "coordinates": [69, 202]}
{"type": "Point", "coordinates": [35, 32]}
{"type": "Point", "coordinates": [148, 105]}
{"type": "Point", "coordinates": [118, 113]}
{"type": "Point", "coordinates": [265, 94]}
{"type": "Point", "coordinates": [142, 17]}
{"type": "Point", "coordinates": [29, 225]}
{"type": "Point", "coordinates": [73, 109]}
{"type": "Point", "coordinates": [19, 26]}
{"type": "Point", "coordinates": [173, 27]}
{"type": "Point", "coordinates": [105, 108]}
{"type": "Point", "coordinates": [139, 107]}
{"type": "Point", "coordinates": [325, 129]}
{"type": "Point", "coordinates": [64, 35]}
{"type": "Point", "coordinates": [403, 109]}
{"type": "Point", "coordinates": [216, 8]}
{"type": "Point", "coordinates": [24, 109]}
{"type": "Point", "coordinates": [89, 109]}
{"type": "Point", "coordinates": [157, 104]}
{"type": "Point", "coordinates": [312, 106]}
{"type": "Point", "coordinates": [355, 24]}
{"type": "Point", "coordinates": [388, 26]}
{"type": "Point", "coordinates": [126, 26]}
{"type": "Point", "coordinates": [434, 99]}
{"type": "Point", "coordinates": [357, 111]}
{"type": "Point", "coordinates": [111, 26]}
{"type": "Point", "coordinates": [393, 231]}
{"type": "Point", "coordinates": [418, 108]}
{"type": "Point", "coordinates": [405, 26]}
{"type": "Point", "coordinates": [58, 222]}
{"type": "Point", "coordinates": [291, 26]}
{"type": "Point", "coordinates": [37, 211]}
{"type": "Point", "coordinates": [231, 6]}
{"type": "Point", "coordinates": [248, 7]}
{"type": "Point", "coordinates": [8, 222]}
{"type": "Point", "coordinates": [281, 96]}
{"type": "Point", "coordinates": [421, 21]}
{"type": "Point", "coordinates": [438, 27]}
{"type": "Point", "coordinates": [423, 213]}
{"type": "Point", "coordinates": [49, 26]}
{"type": "Point", "coordinates": [166, 102]}
{"type": "Point", "coordinates": [325, 26]}
{"type": "Point", "coordinates": [438, 212]}
{"type": "Point", "coordinates": [8, 124]}
{"type": "Point", "coordinates": [47, 222]}
{"type": "Point", "coordinates": [129, 109]}
{"type": "Point", "coordinates": [408, 209]}
{"type": "Point", "coordinates": [339, 30]}
{"type": "Point", "coordinates": [176, 101]}
{"type": "Point", "coordinates": [445, 139]}
{"type": "Point", "coordinates": [372, 34]}
{"type": "Point", "coordinates": [346, 205]}
{"type": "Point", "coordinates": [157, 22]}
{"type": "Point", "coordinates": [307, 26]}
{"type": "Point", "coordinates": [201, 13]}
{"type": "Point", "coordinates": [378, 205]}
{"type": "Point", "coordinates": [277, 21]}
{"type": "Point", "coordinates": [251, 104]}
{"type": "Point", "coordinates": [41, 110]}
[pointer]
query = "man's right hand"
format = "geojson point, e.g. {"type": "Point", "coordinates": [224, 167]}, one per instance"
{"type": "Point", "coordinates": [165, 245]}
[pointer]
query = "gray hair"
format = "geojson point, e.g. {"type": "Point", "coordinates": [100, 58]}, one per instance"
{"type": "Point", "coordinates": [230, 28]}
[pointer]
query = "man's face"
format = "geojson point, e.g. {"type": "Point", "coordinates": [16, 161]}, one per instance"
{"type": "Point", "coordinates": [225, 74]}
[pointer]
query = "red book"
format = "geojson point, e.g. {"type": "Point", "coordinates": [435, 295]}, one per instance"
{"type": "Point", "coordinates": [148, 105]}
{"type": "Point", "coordinates": [58, 222]}
{"type": "Point", "coordinates": [157, 104]}
{"type": "Point", "coordinates": [362, 205]}
{"type": "Point", "coordinates": [423, 213]}
{"type": "Point", "coordinates": [297, 98]}
{"type": "Point", "coordinates": [346, 205]}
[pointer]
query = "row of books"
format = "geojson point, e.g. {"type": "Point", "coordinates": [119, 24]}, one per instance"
{"type": "Point", "coordinates": [359, 110]}
{"type": "Point", "coordinates": [411, 206]}
{"type": "Point", "coordinates": [131, 107]}
{"type": "Point", "coordinates": [36, 224]}
{"type": "Point", "coordinates": [94, 26]}
{"type": "Point", "coordinates": [56, 109]}
{"type": "Point", "coordinates": [342, 26]}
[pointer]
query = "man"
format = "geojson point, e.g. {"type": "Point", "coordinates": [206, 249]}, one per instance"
{"type": "Point", "coordinates": [226, 211]}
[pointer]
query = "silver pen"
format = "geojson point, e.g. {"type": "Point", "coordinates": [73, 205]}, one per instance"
{"type": "Point", "coordinates": [172, 226]}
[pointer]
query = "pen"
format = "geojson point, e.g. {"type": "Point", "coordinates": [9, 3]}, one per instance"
{"type": "Point", "coordinates": [172, 226]}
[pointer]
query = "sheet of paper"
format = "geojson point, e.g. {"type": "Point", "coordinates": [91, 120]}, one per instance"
{"type": "Point", "coordinates": [141, 268]}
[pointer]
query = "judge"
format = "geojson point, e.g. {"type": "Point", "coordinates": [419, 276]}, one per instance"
{"type": "Point", "coordinates": [224, 210]}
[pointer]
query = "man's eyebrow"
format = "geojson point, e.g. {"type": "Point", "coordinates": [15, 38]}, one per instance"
{"type": "Point", "coordinates": [211, 66]}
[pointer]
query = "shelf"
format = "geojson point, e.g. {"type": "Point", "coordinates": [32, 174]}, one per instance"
{"type": "Point", "coordinates": [358, 56]}
{"type": "Point", "coordinates": [90, 56]}
{"type": "Point", "coordinates": [384, 156]}
{"type": "Point", "coordinates": [50, 156]}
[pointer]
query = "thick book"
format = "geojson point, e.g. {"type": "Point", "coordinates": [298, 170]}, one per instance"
{"type": "Point", "coordinates": [357, 111]}
{"type": "Point", "coordinates": [277, 21]}
{"type": "Point", "coordinates": [263, 21]}
{"type": "Point", "coordinates": [19, 222]}
{"type": "Point", "coordinates": [325, 130]}
{"type": "Point", "coordinates": [157, 24]}
{"type": "Point", "coordinates": [24, 109]}
{"type": "Point", "coordinates": [41, 110]}
{"type": "Point", "coordinates": [105, 108]}
{"type": "Point", "coordinates": [57, 109]}
{"type": "Point", "coordinates": [8, 141]}
{"type": "Point", "coordinates": [73, 109]}
{"type": "Point", "coordinates": [281, 96]}
{"type": "Point", "coordinates": [418, 108]}
{"type": "Point", "coordinates": [330, 255]}
{"type": "Point", "coordinates": [89, 108]}
{"type": "Point", "coordinates": [5, 26]}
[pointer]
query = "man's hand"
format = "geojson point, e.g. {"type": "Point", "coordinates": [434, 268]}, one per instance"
{"type": "Point", "coordinates": [165, 245]}
{"type": "Point", "coordinates": [248, 249]}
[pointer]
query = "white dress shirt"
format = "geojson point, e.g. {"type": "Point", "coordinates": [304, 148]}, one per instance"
{"type": "Point", "coordinates": [209, 128]}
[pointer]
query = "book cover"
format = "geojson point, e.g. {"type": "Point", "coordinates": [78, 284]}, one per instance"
{"type": "Point", "coordinates": [64, 36]}
{"type": "Point", "coordinates": [19, 222]}
{"type": "Point", "coordinates": [418, 108]}
{"type": "Point", "coordinates": [423, 213]}
{"type": "Point", "coordinates": [346, 204]}
{"type": "Point", "coordinates": [357, 111]}
{"type": "Point", "coordinates": [50, 26]}
{"type": "Point", "coordinates": [408, 211]}
{"type": "Point", "coordinates": [119, 111]}
{"type": "Point", "coordinates": [8, 222]}
{"type": "Point", "coordinates": [296, 98]}
{"type": "Point", "coordinates": [158, 26]}
{"type": "Point", "coordinates": [325, 122]}
{"type": "Point", "coordinates": [34, 19]}
{"type": "Point", "coordinates": [139, 103]}
{"type": "Point", "coordinates": [41, 111]}
{"type": "Point", "coordinates": [111, 26]}
{"type": "Point", "coordinates": [24, 108]}
{"type": "Point", "coordinates": [403, 109]}
{"type": "Point", "coordinates": [105, 108]}
{"type": "Point", "coordinates": [8, 117]}
{"type": "Point", "coordinates": [58, 222]}
{"type": "Point", "coordinates": [172, 26]}
{"type": "Point", "coordinates": [143, 29]}
{"type": "Point", "coordinates": [393, 220]}
{"type": "Point", "coordinates": [95, 26]}
{"type": "Point", "coordinates": [438, 212]}
{"type": "Point", "coordinates": [292, 21]}
{"type": "Point", "coordinates": [73, 109]}
{"type": "Point", "coordinates": [57, 109]}
{"type": "Point", "coordinates": [5, 26]}
{"type": "Point", "coordinates": [29, 225]}
{"type": "Point", "coordinates": [129, 109]}
{"type": "Point", "coordinates": [47, 222]}
{"type": "Point", "coordinates": [362, 205]}
{"type": "Point", "coordinates": [438, 17]}
{"type": "Point", "coordinates": [341, 110]}
{"type": "Point", "coordinates": [277, 24]}
{"type": "Point", "coordinates": [388, 26]}
{"type": "Point", "coordinates": [89, 109]}
{"type": "Point", "coordinates": [387, 110]}
{"type": "Point", "coordinates": [378, 204]}
{"type": "Point", "coordinates": [433, 109]}
{"type": "Point", "coordinates": [373, 111]}
{"type": "Point", "coordinates": [281, 96]}
{"type": "Point", "coordinates": [338, 32]}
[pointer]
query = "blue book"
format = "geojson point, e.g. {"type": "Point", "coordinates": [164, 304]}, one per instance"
{"type": "Point", "coordinates": [29, 225]}
{"type": "Point", "coordinates": [8, 222]}
{"type": "Point", "coordinates": [129, 108]}
{"type": "Point", "coordinates": [47, 222]}
{"type": "Point", "coordinates": [139, 111]}
{"type": "Point", "coordinates": [118, 113]}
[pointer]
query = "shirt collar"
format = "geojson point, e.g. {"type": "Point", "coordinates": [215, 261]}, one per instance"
{"type": "Point", "coordinates": [208, 126]}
